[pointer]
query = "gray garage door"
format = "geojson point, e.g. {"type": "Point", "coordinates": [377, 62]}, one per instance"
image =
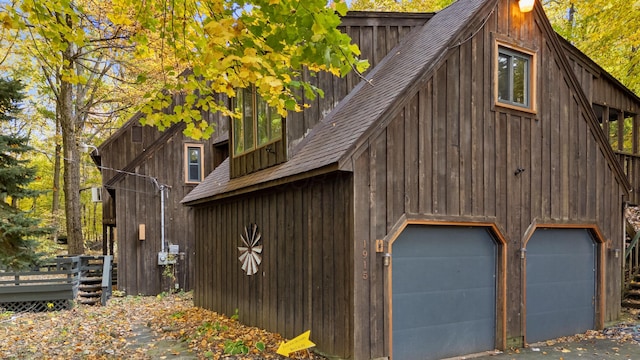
{"type": "Point", "coordinates": [561, 283]}
{"type": "Point", "coordinates": [444, 292]}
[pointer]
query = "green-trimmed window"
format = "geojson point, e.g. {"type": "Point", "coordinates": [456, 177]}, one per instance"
{"type": "Point", "coordinates": [258, 125]}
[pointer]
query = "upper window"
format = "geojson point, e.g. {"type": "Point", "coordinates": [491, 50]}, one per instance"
{"type": "Point", "coordinates": [514, 78]}
{"type": "Point", "coordinates": [194, 171]}
{"type": "Point", "coordinates": [258, 124]}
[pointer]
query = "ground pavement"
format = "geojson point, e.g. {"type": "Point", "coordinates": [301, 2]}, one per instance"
{"type": "Point", "coordinates": [619, 341]}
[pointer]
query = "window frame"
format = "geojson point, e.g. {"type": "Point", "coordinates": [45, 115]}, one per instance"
{"type": "Point", "coordinates": [187, 163]}
{"type": "Point", "coordinates": [257, 103]}
{"type": "Point", "coordinates": [512, 50]}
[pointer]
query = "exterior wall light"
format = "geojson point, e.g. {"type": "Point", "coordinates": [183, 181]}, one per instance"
{"type": "Point", "coordinates": [526, 5]}
{"type": "Point", "coordinates": [386, 259]}
{"type": "Point", "coordinates": [86, 147]}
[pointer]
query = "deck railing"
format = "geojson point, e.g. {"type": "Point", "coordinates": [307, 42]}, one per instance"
{"type": "Point", "coordinates": [54, 285]}
{"type": "Point", "coordinates": [631, 260]}
{"type": "Point", "coordinates": [631, 166]}
{"type": "Point", "coordinates": [49, 287]}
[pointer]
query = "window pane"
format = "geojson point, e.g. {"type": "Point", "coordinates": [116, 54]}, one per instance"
{"type": "Point", "coordinates": [194, 155]}
{"type": "Point", "coordinates": [520, 80]}
{"type": "Point", "coordinates": [514, 77]}
{"type": "Point", "coordinates": [194, 173]}
{"type": "Point", "coordinates": [264, 135]}
{"type": "Point", "coordinates": [269, 123]}
{"type": "Point", "coordinates": [503, 77]}
{"type": "Point", "coordinates": [194, 164]}
{"type": "Point", "coordinates": [248, 120]}
{"type": "Point", "coordinates": [276, 125]}
{"type": "Point", "coordinates": [238, 128]}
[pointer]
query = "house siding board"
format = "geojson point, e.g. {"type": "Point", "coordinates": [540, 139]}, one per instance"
{"type": "Point", "coordinates": [293, 252]}
{"type": "Point", "coordinates": [134, 200]}
{"type": "Point", "coordinates": [554, 147]}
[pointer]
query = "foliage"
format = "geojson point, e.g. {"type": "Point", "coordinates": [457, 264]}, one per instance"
{"type": "Point", "coordinates": [134, 327]}
{"type": "Point", "coordinates": [94, 60]}
{"type": "Point", "coordinates": [231, 45]}
{"type": "Point", "coordinates": [77, 57]}
{"type": "Point", "coordinates": [235, 347]}
{"type": "Point", "coordinates": [403, 6]}
{"type": "Point", "coordinates": [18, 230]}
{"type": "Point", "coordinates": [608, 31]}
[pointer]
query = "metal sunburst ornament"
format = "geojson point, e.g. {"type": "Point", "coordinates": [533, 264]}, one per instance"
{"type": "Point", "coordinates": [250, 253]}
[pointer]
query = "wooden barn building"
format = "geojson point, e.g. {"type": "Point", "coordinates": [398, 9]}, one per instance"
{"type": "Point", "coordinates": [463, 198]}
{"type": "Point", "coordinates": [152, 238]}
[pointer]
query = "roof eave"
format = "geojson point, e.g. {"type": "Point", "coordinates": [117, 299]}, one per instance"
{"type": "Point", "coordinates": [264, 185]}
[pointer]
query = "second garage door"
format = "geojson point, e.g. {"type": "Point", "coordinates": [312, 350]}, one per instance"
{"type": "Point", "coordinates": [444, 292]}
{"type": "Point", "coordinates": [561, 283]}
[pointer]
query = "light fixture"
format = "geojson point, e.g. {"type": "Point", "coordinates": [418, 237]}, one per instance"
{"type": "Point", "coordinates": [526, 5]}
{"type": "Point", "coordinates": [386, 259]}
{"type": "Point", "coordinates": [86, 147]}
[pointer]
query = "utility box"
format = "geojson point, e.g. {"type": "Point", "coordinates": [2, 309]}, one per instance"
{"type": "Point", "coordinates": [164, 258]}
{"type": "Point", "coordinates": [96, 194]}
{"type": "Point", "coordinates": [174, 249]}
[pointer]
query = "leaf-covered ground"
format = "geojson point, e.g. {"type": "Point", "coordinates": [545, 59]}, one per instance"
{"type": "Point", "coordinates": [135, 327]}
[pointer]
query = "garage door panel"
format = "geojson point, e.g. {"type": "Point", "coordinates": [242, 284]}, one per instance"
{"type": "Point", "coordinates": [449, 310]}
{"type": "Point", "coordinates": [444, 291]}
{"type": "Point", "coordinates": [561, 283]}
{"type": "Point", "coordinates": [414, 341]}
{"type": "Point", "coordinates": [555, 267]}
{"type": "Point", "coordinates": [559, 300]}
{"type": "Point", "coordinates": [439, 269]}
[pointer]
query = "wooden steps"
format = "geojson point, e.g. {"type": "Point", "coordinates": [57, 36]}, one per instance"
{"type": "Point", "coordinates": [632, 294]}
{"type": "Point", "coordinates": [90, 287]}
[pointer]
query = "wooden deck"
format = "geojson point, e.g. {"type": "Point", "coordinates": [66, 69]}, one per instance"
{"type": "Point", "coordinates": [54, 285]}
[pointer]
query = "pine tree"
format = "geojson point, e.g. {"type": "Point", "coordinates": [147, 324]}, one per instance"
{"type": "Point", "coordinates": [18, 231]}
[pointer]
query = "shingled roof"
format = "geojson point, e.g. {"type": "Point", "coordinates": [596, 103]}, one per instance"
{"type": "Point", "coordinates": [330, 144]}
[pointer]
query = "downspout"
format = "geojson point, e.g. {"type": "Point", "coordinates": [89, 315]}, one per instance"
{"type": "Point", "coordinates": [163, 189]}
{"type": "Point", "coordinates": [163, 192]}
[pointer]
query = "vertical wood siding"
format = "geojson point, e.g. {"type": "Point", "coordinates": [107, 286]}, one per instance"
{"type": "Point", "coordinates": [304, 280]}
{"type": "Point", "coordinates": [448, 154]}
{"type": "Point", "coordinates": [137, 201]}
{"type": "Point", "coordinates": [376, 34]}
{"type": "Point", "coordinates": [601, 90]}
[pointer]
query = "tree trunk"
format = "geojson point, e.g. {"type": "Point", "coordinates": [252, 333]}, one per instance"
{"type": "Point", "coordinates": [55, 203]}
{"type": "Point", "coordinates": [71, 157]}
{"type": "Point", "coordinates": [71, 182]}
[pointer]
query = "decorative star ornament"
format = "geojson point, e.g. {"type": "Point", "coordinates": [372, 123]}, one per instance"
{"type": "Point", "coordinates": [250, 253]}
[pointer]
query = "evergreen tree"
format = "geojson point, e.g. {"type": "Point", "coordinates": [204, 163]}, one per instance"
{"type": "Point", "coordinates": [18, 230]}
